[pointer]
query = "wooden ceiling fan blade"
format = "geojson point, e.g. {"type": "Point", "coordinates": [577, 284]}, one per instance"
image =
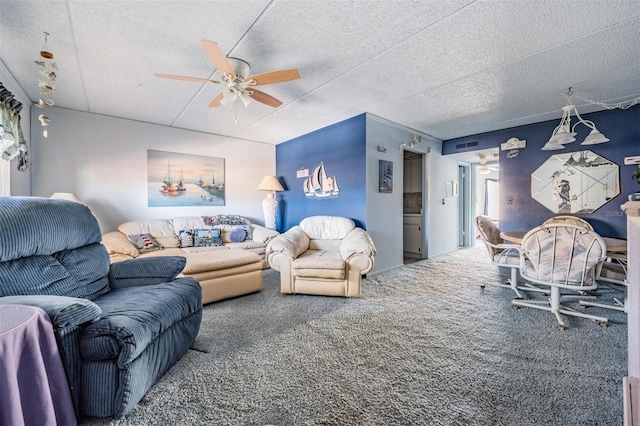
{"type": "Point", "coordinates": [274, 77]}
{"type": "Point", "coordinates": [185, 78]}
{"type": "Point", "coordinates": [264, 98]}
{"type": "Point", "coordinates": [216, 101]}
{"type": "Point", "coordinates": [218, 57]}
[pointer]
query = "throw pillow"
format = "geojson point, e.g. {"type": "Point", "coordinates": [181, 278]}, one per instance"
{"type": "Point", "coordinates": [245, 230]}
{"type": "Point", "coordinates": [206, 238]}
{"type": "Point", "coordinates": [238, 235]}
{"type": "Point", "coordinates": [186, 238]}
{"type": "Point", "coordinates": [144, 242]}
{"type": "Point", "coordinates": [223, 219]}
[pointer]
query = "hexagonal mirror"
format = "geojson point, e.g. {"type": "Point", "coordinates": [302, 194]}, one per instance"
{"type": "Point", "coordinates": [575, 182]}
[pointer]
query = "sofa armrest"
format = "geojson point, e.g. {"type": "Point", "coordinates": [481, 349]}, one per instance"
{"type": "Point", "coordinates": [292, 243]}
{"type": "Point", "coordinates": [357, 242]}
{"type": "Point", "coordinates": [262, 234]}
{"type": "Point", "coordinates": [63, 311]}
{"type": "Point", "coordinates": [117, 243]}
{"type": "Point", "coordinates": [145, 271]}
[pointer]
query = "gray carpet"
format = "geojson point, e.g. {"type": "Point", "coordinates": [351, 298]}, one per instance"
{"type": "Point", "coordinates": [425, 345]}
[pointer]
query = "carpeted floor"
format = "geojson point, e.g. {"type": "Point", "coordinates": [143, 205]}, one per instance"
{"type": "Point", "coordinates": [424, 345]}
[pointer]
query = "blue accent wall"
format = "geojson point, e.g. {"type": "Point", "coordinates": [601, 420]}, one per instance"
{"type": "Point", "coordinates": [622, 127]}
{"type": "Point", "coordinates": [342, 149]}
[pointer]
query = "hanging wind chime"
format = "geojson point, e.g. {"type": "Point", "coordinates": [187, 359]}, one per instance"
{"type": "Point", "coordinates": [46, 83]}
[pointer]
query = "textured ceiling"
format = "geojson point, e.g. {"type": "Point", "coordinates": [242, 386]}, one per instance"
{"type": "Point", "coordinates": [447, 68]}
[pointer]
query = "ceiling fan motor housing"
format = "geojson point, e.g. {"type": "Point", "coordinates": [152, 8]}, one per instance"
{"type": "Point", "coordinates": [240, 68]}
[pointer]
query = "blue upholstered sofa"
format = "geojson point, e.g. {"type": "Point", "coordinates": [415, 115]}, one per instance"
{"type": "Point", "coordinates": [119, 327]}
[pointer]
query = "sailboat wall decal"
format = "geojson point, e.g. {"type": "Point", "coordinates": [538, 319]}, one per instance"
{"type": "Point", "coordinates": [319, 185]}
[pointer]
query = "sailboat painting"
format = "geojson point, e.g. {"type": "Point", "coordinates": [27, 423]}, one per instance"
{"type": "Point", "coordinates": [319, 185]}
{"type": "Point", "coordinates": [175, 179]}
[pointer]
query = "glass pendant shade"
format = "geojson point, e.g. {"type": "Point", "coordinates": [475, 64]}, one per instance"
{"type": "Point", "coordinates": [550, 146]}
{"type": "Point", "coordinates": [563, 136]}
{"type": "Point", "coordinates": [595, 137]}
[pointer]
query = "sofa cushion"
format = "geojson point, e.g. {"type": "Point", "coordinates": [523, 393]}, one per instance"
{"type": "Point", "coordinates": [118, 243]}
{"type": "Point", "coordinates": [327, 227]}
{"type": "Point", "coordinates": [218, 259]}
{"type": "Point", "coordinates": [160, 229]}
{"type": "Point", "coordinates": [81, 272]}
{"type": "Point", "coordinates": [144, 242]}
{"type": "Point", "coordinates": [319, 259]}
{"type": "Point", "coordinates": [187, 222]}
{"type": "Point", "coordinates": [31, 218]}
{"type": "Point", "coordinates": [133, 317]}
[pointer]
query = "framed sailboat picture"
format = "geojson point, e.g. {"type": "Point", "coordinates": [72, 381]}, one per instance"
{"type": "Point", "coordinates": [385, 176]}
{"type": "Point", "coordinates": [175, 179]}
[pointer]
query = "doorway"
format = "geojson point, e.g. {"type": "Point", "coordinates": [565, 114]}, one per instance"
{"type": "Point", "coordinates": [413, 207]}
{"type": "Point", "coordinates": [465, 214]}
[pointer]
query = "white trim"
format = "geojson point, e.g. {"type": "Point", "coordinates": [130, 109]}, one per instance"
{"type": "Point", "coordinates": [5, 177]}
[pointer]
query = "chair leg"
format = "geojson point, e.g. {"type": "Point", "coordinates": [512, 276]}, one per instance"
{"type": "Point", "coordinates": [617, 304]}
{"type": "Point", "coordinates": [553, 305]}
{"type": "Point", "coordinates": [513, 282]}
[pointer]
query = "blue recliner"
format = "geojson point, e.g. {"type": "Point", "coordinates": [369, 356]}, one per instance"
{"type": "Point", "coordinates": [119, 327]}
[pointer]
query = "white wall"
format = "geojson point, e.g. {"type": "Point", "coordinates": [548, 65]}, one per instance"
{"type": "Point", "coordinates": [20, 181]}
{"type": "Point", "coordinates": [103, 160]}
{"type": "Point", "coordinates": [384, 211]}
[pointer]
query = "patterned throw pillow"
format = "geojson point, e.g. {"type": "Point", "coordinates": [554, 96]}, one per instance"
{"type": "Point", "coordinates": [223, 219]}
{"type": "Point", "coordinates": [206, 238]}
{"type": "Point", "coordinates": [145, 243]}
{"type": "Point", "coordinates": [186, 238]}
{"type": "Point", "coordinates": [241, 230]}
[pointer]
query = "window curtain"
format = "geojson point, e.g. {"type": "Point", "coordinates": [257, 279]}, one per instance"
{"type": "Point", "coordinates": [12, 142]}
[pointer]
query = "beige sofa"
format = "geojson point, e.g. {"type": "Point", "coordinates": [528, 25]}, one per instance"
{"type": "Point", "coordinates": [229, 270]}
{"type": "Point", "coordinates": [324, 255]}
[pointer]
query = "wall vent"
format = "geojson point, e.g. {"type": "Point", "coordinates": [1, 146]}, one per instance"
{"type": "Point", "coordinates": [466, 145]}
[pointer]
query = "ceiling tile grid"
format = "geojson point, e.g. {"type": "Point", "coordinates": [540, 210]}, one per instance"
{"type": "Point", "coordinates": [445, 68]}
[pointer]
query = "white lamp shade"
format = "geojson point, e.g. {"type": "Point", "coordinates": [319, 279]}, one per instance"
{"type": "Point", "coordinates": [595, 137]}
{"type": "Point", "coordinates": [66, 196]}
{"type": "Point", "coordinates": [549, 146]}
{"type": "Point", "coordinates": [270, 183]}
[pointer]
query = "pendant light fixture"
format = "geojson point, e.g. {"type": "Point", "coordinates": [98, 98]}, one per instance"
{"type": "Point", "coordinates": [564, 133]}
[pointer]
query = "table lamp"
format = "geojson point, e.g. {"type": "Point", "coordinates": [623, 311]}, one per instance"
{"type": "Point", "coordinates": [270, 204]}
{"type": "Point", "coordinates": [67, 196]}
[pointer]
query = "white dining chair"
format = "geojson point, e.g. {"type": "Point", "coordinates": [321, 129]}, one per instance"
{"type": "Point", "coordinates": [561, 256]}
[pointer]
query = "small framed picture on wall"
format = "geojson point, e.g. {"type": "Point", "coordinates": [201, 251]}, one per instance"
{"type": "Point", "coordinates": [385, 176]}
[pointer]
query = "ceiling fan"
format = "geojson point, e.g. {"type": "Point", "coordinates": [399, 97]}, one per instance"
{"type": "Point", "coordinates": [485, 168]}
{"type": "Point", "coordinates": [235, 75]}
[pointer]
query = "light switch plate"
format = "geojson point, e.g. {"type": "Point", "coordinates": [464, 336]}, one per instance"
{"type": "Point", "coordinates": [632, 160]}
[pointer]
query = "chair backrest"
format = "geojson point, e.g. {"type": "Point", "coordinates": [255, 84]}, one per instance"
{"type": "Point", "coordinates": [563, 254]}
{"type": "Point", "coordinates": [327, 227]}
{"type": "Point", "coordinates": [572, 220]}
{"type": "Point", "coordinates": [50, 247]}
{"type": "Point", "coordinates": [489, 233]}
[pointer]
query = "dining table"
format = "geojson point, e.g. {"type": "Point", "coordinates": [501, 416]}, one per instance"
{"type": "Point", "coordinates": [614, 245]}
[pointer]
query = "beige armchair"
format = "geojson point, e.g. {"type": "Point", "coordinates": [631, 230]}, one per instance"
{"type": "Point", "coordinates": [324, 255]}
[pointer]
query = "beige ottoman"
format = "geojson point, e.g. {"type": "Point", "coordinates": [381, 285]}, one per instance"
{"type": "Point", "coordinates": [225, 273]}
